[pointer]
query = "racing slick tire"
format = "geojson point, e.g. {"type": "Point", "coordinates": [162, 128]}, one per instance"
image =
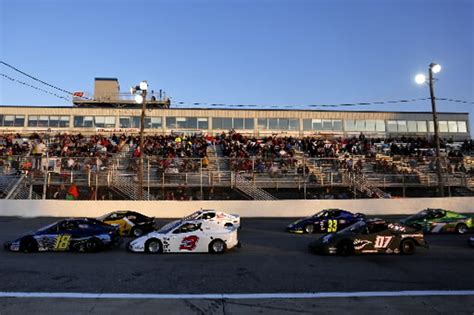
{"type": "Point", "coordinates": [136, 231]}
{"type": "Point", "coordinates": [407, 247]}
{"type": "Point", "coordinates": [153, 246]}
{"type": "Point", "coordinates": [29, 245]}
{"type": "Point", "coordinates": [217, 247]}
{"type": "Point", "coordinates": [309, 228]}
{"type": "Point", "coordinates": [93, 245]}
{"type": "Point", "coordinates": [345, 248]}
{"type": "Point", "coordinates": [461, 228]}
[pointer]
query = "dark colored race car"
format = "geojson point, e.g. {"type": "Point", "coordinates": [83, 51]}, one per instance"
{"type": "Point", "coordinates": [82, 235]}
{"type": "Point", "coordinates": [370, 236]}
{"type": "Point", "coordinates": [440, 221]}
{"type": "Point", "coordinates": [325, 221]}
{"type": "Point", "coordinates": [131, 223]}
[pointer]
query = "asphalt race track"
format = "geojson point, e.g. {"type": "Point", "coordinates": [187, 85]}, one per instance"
{"type": "Point", "coordinates": [270, 261]}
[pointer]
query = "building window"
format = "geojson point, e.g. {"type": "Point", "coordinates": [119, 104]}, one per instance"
{"type": "Point", "coordinates": [392, 126]}
{"type": "Point", "coordinates": [171, 122]}
{"type": "Point", "coordinates": [430, 126]}
{"type": "Point", "coordinates": [349, 125]}
{"type": "Point", "coordinates": [249, 122]}
{"type": "Point", "coordinates": [370, 125]}
{"type": "Point", "coordinates": [32, 121]}
{"type": "Point", "coordinates": [202, 123]}
{"type": "Point", "coordinates": [443, 126]}
{"type": "Point", "coordinates": [421, 126]}
{"type": "Point", "coordinates": [411, 126]}
{"type": "Point", "coordinates": [262, 123]}
{"type": "Point", "coordinates": [402, 125]}
{"type": "Point", "coordinates": [380, 125]}
{"type": "Point", "coordinates": [452, 126]}
{"type": "Point", "coordinates": [337, 125]}
{"type": "Point", "coordinates": [238, 123]}
{"type": "Point", "coordinates": [462, 126]}
{"type": "Point", "coordinates": [294, 124]}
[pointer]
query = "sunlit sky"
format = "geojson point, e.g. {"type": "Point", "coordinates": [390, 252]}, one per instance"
{"type": "Point", "coordinates": [274, 52]}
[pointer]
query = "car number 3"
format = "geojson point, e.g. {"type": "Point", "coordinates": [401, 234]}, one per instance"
{"type": "Point", "coordinates": [382, 241]}
{"type": "Point", "coordinates": [62, 242]}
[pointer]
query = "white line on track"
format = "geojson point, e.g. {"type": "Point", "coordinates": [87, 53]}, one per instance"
{"type": "Point", "coordinates": [235, 296]}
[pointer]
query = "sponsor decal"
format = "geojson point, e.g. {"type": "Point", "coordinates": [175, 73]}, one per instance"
{"type": "Point", "coordinates": [359, 244]}
{"type": "Point", "coordinates": [189, 243]}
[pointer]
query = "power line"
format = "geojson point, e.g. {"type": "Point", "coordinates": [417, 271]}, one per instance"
{"type": "Point", "coordinates": [34, 87]}
{"type": "Point", "coordinates": [36, 79]}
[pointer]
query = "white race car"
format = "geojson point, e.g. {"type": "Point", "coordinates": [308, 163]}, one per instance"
{"type": "Point", "coordinates": [186, 237]}
{"type": "Point", "coordinates": [213, 217]}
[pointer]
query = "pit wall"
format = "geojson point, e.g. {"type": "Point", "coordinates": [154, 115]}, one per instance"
{"type": "Point", "coordinates": [277, 208]}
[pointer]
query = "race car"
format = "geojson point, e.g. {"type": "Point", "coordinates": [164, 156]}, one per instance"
{"type": "Point", "coordinates": [82, 235]}
{"type": "Point", "coordinates": [325, 221]}
{"type": "Point", "coordinates": [186, 237]}
{"type": "Point", "coordinates": [131, 223]}
{"type": "Point", "coordinates": [440, 221]}
{"type": "Point", "coordinates": [212, 217]}
{"type": "Point", "coordinates": [370, 236]}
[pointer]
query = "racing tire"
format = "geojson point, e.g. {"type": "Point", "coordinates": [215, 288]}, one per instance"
{"type": "Point", "coordinates": [407, 247]}
{"type": "Point", "coordinates": [29, 245]}
{"type": "Point", "coordinates": [217, 247]}
{"type": "Point", "coordinates": [461, 228]}
{"type": "Point", "coordinates": [309, 229]}
{"type": "Point", "coordinates": [93, 245]}
{"type": "Point", "coordinates": [153, 246]}
{"type": "Point", "coordinates": [345, 248]}
{"type": "Point", "coordinates": [136, 232]}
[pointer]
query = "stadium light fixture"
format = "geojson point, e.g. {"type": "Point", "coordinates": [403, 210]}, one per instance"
{"type": "Point", "coordinates": [420, 79]}
{"type": "Point", "coordinates": [143, 86]}
{"type": "Point", "coordinates": [138, 99]}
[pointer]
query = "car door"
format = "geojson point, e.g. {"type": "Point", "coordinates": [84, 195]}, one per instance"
{"type": "Point", "coordinates": [437, 221]}
{"type": "Point", "coordinates": [330, 222]}
{"type": "Point", "coordinates": [47, 239]}
{"type": "Point", "coordinates": [188, 238]}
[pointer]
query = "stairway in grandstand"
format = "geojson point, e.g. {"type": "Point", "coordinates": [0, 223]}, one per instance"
{"type": "Point", "coordinates": [8, 182]}
{"type": "Point", "coordinates": [121, 180]}
{"type": "Point", "coordinates": [22, 190]}
{"type": "Point", "coordinates": [364, 186]}
{"type": "Point", "coordinates": [249, 189]}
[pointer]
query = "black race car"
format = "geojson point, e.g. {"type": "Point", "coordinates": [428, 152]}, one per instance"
{"type": "Point", "coordinates": [131, 223]}
{"type": "Point", "coordinates": [82, 235]}
{"type": "Point", "coordinates": [325, 221]}
{"type": "Point", "coordinates": [370, 236]}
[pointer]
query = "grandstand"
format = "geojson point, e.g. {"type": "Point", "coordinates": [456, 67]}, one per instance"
{"type": "Point", "coordinates": [210, 153]}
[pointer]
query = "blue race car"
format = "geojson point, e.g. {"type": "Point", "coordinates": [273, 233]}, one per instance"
{"type": "Point", "coordinates": [325, 221]}
{"type": "Point", "coordinates": [82, 235]}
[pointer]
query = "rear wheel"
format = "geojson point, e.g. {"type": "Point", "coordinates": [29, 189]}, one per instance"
{"type": "Point", "coordinates": [153, 246]}
{"type": "Point", "coordinates": [345, 248]}
{"type": "Point", "coordinates": [407, 247]}
{"type": "Point", "coordinates": [29, 245]}
{"type": "Point", "coordinates": [136, 231]}
{"type": "Point", "coordinates": [309, 228]}
{"type": "Point", "coordinates": [217, 247]}
{"type": "Point", "coordinates": [461, 228]}
{"type": "Point", "coordinates": [93, 245]}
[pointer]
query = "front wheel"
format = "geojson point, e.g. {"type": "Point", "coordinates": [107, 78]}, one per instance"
{"type": "Point", "coordinates": [345, 248]}
{"type": "Point", "coordinates": [153, 246]}
{"type": "Point", "coordinates": [407, 247]}
{"type": "Point", "coordinates": [29, 245]}
{"type": "Point", "coordinates": [309, 228]}
{"type": "Point", "coordinates": [461, 228]}
{"type": "Point", "coordinates": [217, 247]}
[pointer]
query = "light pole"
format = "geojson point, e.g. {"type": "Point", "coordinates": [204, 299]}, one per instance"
{"type": "Point", "coordinates": [140, 97]}
{"type": "Point", "coordinates": [420, 79]}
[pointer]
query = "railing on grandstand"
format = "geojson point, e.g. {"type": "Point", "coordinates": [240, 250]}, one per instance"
{"type": "Point", "coordinates": [120, 172]}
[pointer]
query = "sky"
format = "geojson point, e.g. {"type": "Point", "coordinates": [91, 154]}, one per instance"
{"type": "Point", "coordinates": [265, 52]}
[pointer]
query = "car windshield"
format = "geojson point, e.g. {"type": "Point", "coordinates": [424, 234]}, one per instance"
{"type": "Point", "coordinates": [353, 228]}
{"type": "Point", "coordinates": [192, 216]}
{"type": "Point", "coordinates": [102, 217]}
{"type": "Point", "coordinates": [169, 227]}
{"type": "Point", "coordinates": [47, 227]}
{"type": "Point", "coordinates": [320, 214]}
{"type": "Point", "coordinates": [420, 215]}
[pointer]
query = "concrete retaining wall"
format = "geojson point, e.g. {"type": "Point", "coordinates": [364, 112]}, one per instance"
{"type": "Point", "coordinates": [278, 208]}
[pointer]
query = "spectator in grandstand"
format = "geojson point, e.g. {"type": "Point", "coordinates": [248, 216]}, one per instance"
{"type": "Point", "coordinates": [73, 192]}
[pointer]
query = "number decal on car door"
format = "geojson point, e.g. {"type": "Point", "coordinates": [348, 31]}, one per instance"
{"type": "Point", "coordinates": [382, 241]}
{"type": "Point", "coordinates": [332, 226]}
{"type": "Point", "coordinates": [62, 242]}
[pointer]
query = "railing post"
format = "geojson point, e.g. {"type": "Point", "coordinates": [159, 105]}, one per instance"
{"type": "Point", "coordinates": [45, 185]}
{"type": "Point", "coordinates": [89, 178]}
{"type": "Point", "coordinates": [96, 184]}
{"type": "Point", "coordinates": [200, 167]}
{"type": "Point", "coordinates": [148, 176]}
